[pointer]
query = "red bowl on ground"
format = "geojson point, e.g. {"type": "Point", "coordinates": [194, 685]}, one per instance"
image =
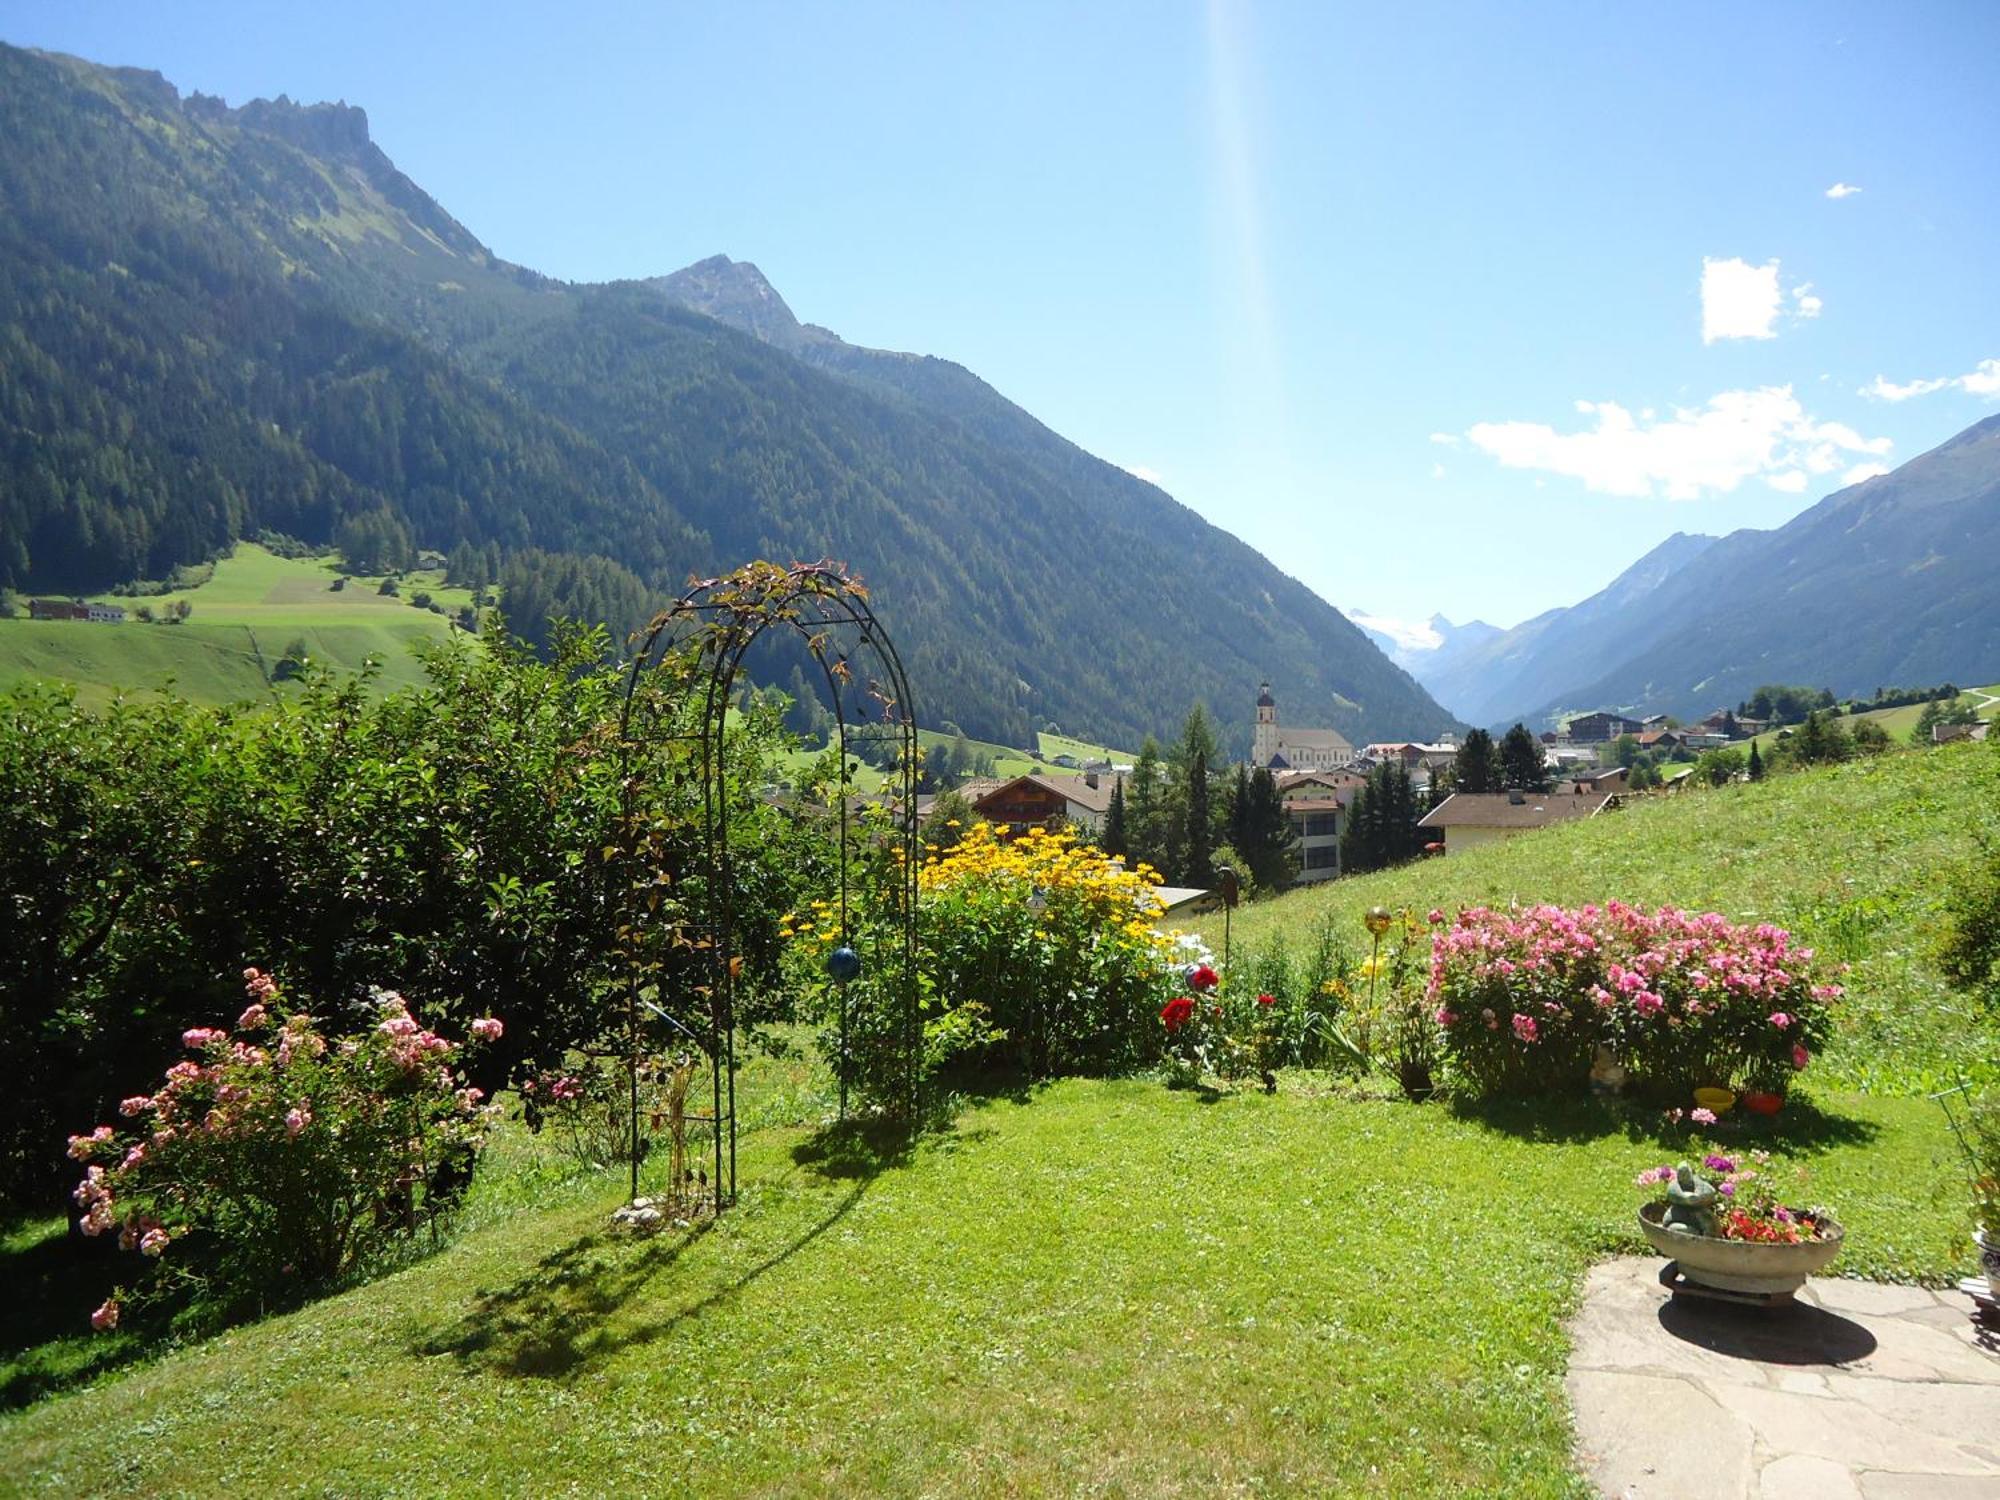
{"type": "Point", "coordinates": [1760, 1103]}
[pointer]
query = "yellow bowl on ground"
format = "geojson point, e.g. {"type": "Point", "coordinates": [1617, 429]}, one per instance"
{"type": "Point", "coordinates": [1717, 1101]}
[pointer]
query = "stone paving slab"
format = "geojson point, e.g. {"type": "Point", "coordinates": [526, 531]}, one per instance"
{"type": "Point", "coordinates": [1859, 1391]}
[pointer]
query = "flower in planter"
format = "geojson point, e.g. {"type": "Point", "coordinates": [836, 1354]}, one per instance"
{"type": "Point", "coordinates": [1749, 1208]}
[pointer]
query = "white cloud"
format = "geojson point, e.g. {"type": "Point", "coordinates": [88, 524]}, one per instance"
{"type": "Point", "coordinates": [1983, 379]}
{"type": "Point", "coordinates": [1842, 190]}
{"type": "Point", "coordinates": [1742, 301]}
{"type": "Point", "coordinates": [1695, 452]}
{"type": "Point", "coordinates": [1863, 471]}
{"type": "Point", "coordinates": [1445, 439]}
{"type": "Point", "coordinates": [1739, 300]}
{"type": "Point", "coordinates": [1140, 471]}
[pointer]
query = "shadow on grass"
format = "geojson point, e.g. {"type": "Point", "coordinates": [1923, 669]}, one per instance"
{"type": "Point", "coordinates": [559, 1318]}
{"type": "Point", "coordinates": [1803, 1128]}
{"type": "Point", "coordinates": [52, 1282]}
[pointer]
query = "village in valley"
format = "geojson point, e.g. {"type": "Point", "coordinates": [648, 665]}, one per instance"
{"type": "Point", "coordinates": [1593, 764]}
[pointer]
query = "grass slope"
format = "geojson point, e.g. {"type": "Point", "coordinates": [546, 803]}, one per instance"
{"type": "Point", "coordinates": [1102, 1287]}
{"type": "Point", "coordinates": [1898, 722]}
{"type": "Point", "coordinates": [254, 608]}
{"type": "Point", "coordinates": [1856, 858]}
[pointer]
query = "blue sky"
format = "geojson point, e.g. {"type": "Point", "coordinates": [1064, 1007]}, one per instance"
{"type": "Point", "coordinates": [1410, 297]}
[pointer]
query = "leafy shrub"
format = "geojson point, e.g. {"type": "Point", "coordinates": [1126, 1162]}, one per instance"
{"type": "Point", "coordinates": [1525, 997]}
{"type": "Point", "coordinates": [276, 1160]}
{"type": "Point", "coordinates": [454, 835]}
{"type": "Point", "coordinates": [1036, 954]}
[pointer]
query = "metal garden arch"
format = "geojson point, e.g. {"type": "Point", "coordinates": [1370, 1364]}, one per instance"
{"type": "Point", "coordinates": [695, 649]}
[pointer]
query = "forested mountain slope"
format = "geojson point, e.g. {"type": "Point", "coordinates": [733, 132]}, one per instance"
{"type": "Point", "coordinates": [215, 321]}
{"type": "Point", "coordinates": [1887, 582]}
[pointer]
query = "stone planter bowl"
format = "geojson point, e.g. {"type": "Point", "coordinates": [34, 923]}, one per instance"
{"type": "Point", "coordinates": [1742, 1265]}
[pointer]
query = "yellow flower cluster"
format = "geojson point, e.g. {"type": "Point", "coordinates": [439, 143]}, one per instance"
{"type": "Point", "coordinates": [1073, 876]}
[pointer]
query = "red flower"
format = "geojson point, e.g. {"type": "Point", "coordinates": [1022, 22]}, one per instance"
{"type": "Point", "coordinates": [1177, 1012]}
{"type": "Point", "coordinates": [1203, 978]}
{"type": "Point", "coordinates": [1267, 999]}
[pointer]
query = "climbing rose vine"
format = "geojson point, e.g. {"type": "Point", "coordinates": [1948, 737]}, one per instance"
{"type": "Point", "coordinates": [273, 1159]}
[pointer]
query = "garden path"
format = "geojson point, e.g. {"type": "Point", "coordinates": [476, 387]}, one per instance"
{"type": "Point", "coordinates": [1859, 1391]}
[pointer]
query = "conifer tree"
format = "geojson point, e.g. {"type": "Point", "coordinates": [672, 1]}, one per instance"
{"type": "Point", "coordinates": [1523, 767]}
{"type": "Point", "coordinates": [1266, 842]}
{"type": "Point", "coordinates": [1756, 763]}
{"type": "Point", "coordinates": [1476, 767]}
{"type": "Point", "coordinates": [1199, 838]}
{"type": "Point", "coordinates": [1115, 841]}
{"type": "Point", "coordinates": [1145, 818]}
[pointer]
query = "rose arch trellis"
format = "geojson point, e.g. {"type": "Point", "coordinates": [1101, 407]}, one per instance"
{"type": "Point", "coordinates": [695, 651]}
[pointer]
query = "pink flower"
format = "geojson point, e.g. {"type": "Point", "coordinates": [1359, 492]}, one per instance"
{"type": "Point", "coordinates": [1779, 1019]}
{"type": "Point", "coordinates": [252, 1017]}
{"type": "Point", "coordinates": [198, 1037]}
{"type": "Point", "coordinates": [1652, 1175]}
{"type": "Point", "coordinates": [1436, 916]}
{"type": "Point", "coordinates": [296, 1120]}
{"type": "Point", "coordinates": [1800, 1057]}
{"type": "Point", "coordinates": [1646, 1003]}
{"type": "Point", "coordinates": [106, 1316]}
{"type": "Point", "coordinates": [487, 1028]}
{"type": "Point", "coordinates": [138, 1104]}
{"type": "Point", "coordinates": [1445, 1017]}
{"type": "Point", "coordinates": [1525, 1027]}
{"type": "Point", "coordinates": [81, 1146]}
{"type": "Point", "coordinates": [153, 1242]}
{"type": "Point", "coordinates": [1702, 1116]}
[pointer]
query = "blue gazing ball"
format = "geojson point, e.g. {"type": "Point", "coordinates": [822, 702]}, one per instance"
{"type": "Point", "coordinates": [843, 964]}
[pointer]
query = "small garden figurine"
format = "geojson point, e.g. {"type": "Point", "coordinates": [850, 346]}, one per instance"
{"type": "Point", "coordinates": [1690, 1203]}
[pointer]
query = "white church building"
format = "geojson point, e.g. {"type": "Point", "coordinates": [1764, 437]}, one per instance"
{"type": "Point", "coordinates": [1294, 749]}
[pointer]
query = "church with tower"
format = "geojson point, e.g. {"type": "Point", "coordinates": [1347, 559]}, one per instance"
{"type": "Point", "coordinates": [1294, 749]}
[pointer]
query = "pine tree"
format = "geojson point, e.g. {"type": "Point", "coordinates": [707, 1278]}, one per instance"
{"type": "Point", "coordinates": [1200, 835]}
{"type": "Point", "coordinates": [1114, 840]}
{"type": "Point", "coordinates": [1476, 767]}
{"type": "Point", "coordinates": [1756, 763]}
{"type": "Point", "coordinates": [1237, 814]}
{"type": "Point", "coordinates": [1146, 832]}
{"type": "Point", "coordinates": [1523, 767]}
{"type": "Point", "coordinates": [1381, 822]}
{"type": "Point", "coordinates": [1266, 842]}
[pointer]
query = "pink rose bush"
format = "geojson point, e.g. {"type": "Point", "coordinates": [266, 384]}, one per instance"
{"type": "Point", "coordinates": [272, 1159]}
{"type": "Point", "coordinates": [1523, 997]}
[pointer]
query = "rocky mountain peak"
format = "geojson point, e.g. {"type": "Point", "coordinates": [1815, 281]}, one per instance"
{"type": "Point", "coordinates": [735, 292]}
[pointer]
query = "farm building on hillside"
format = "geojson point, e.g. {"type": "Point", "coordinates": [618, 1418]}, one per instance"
{"type": "Point", "coordinates": [1038, 801]}
{"type": "Point", "coordinates": [1469, 819]}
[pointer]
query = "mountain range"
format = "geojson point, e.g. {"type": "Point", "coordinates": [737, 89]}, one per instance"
{"type": "Point", "coordinates": [1889, 582]}
{"type": "Point", "coordinates": [217, 322]}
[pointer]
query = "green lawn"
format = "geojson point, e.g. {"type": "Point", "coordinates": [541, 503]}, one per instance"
{"type": "Point", "coordinates": [1089, 1287]}
{"type": "Point", "coordinates": [1857, 859]}
{"type": "Point", "coordinates": [1052, 745]}
{"type": "Point", "coordinates": [246, 617]}
{"type": "Point", "coordinates": [1100, 1287]}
